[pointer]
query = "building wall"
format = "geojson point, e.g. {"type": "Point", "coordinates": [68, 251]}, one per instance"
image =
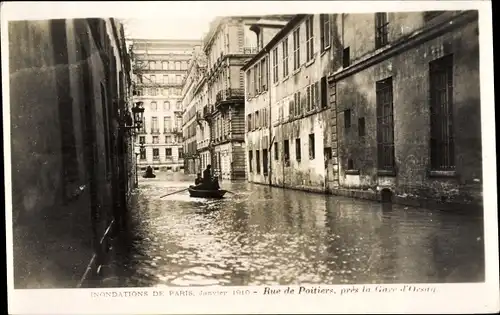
{"type": "Point", "coordinates": [409, 69]}
{"type": "Point", "coordinates": [170, 60]}
{"type": "Point", "coordinates": [61, 184]}
{"type": "Point", "coordinates": [308, 173]}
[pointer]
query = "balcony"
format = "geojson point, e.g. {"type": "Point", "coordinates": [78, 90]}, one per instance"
{"type": "Point", "coordinates": [229, 96]}
{"type": "Point", "coordinates": [155, 131]}
{"type": "Point", "coordinates": [207, 111]}
{"type": "Point", "coordinates": [176, 131]}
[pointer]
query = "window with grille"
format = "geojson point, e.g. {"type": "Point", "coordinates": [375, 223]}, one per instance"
{"type": "Point", "coordinates": [298, 152]}
{"type": "Point", "coordinates": [385, 125]}
{"type": "Point", "coordinates": [381, 29]}
{"type": "Point", "coordinates": [312, 148]}
{"type": "Point", "coordinates": [285, 57]}
{"type": "Point", "coordinates": [296, 49]}
{"type": "Point", "coordinates": [441, 106]}
{"type": "Point", "coordinates": [325, 31]}
{"type": "Point", "coordinates": [275, 65]}
{"type": "Point", "coordinates": [310, 38]}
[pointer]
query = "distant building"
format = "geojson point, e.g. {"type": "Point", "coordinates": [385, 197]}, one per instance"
{"type": "Point", "coordinates": [160, 67]}
{"type": "Point", "coordinates": [367, 105]}
{"type": "Point", "coordinates": [193, 100]}
{"type": "Point", "coordinates": [228, 45]}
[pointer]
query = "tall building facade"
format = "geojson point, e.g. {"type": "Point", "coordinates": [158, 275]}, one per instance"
{"type": "Point", "coordinates": [159, 69]}
{"type": "Point", "coordinates": [286, 104]}
{"type": "Point", "coordinates": [228, 45]}
{"type": "Point", "coordinates": [382, 105]}
{"type": "Point", "coordinates": [193, 96]}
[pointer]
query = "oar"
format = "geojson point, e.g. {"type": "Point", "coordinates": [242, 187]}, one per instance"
{"type": "Point", "coordinates": [175, 192]}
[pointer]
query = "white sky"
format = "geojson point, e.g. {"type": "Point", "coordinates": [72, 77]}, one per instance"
{"type": "Point", "coordinates": [172, 27]}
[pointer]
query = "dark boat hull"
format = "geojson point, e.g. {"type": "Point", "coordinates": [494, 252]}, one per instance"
{"type": "Point", "coordinates": [197, 193]}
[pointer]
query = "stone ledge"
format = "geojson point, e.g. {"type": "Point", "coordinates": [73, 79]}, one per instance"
{"type": "Point", "coordinates": [431, 204]}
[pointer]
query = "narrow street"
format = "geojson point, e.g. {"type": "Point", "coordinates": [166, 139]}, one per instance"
{"type": "Point", "coordinates": [262, 235]}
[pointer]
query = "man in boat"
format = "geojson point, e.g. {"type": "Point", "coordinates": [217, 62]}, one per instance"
{"type": "Point", "coordinates": [206, 182]}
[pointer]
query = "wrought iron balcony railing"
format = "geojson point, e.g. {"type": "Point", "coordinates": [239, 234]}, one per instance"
{"type": "Point", "coordinates": [229, 95]}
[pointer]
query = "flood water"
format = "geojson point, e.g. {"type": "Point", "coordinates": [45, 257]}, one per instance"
{"type": "Point", "coordinates": [262, 235]}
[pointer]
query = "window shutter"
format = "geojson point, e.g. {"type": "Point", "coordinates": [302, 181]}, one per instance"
{"type": "Point", "coordinates": [317, 102]}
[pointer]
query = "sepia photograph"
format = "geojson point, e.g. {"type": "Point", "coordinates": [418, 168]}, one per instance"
{"type": "Point", "coordinates": [235, 153]}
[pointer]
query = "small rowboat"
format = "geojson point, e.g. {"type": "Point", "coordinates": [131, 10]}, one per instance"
{"type": "Point", "coordinates": [199, 193]}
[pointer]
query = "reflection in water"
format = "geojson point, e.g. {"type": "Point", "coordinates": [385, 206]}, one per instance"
{"type": "Point", "coordinates": [263, 235]}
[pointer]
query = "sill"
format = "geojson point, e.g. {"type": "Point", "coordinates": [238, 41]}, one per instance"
{"type": "Point", "coordinates": [324, 50]}
{"type": "Point", "coordinates": [386, 172]}
{"type": "Point", "coordinates": [285, 78]}
{"type": "Point", "coordinates": [296, 71]}
{"type": "Point", "coordinates": [310, 62]}
{"type": "Point", "coordinates": [352, 172]}
{"type": "Point", "coordinates": [437, 173]}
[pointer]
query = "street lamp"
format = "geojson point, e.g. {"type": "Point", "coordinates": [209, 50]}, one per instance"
{"type": "Point", "coordinates": [134, 122]}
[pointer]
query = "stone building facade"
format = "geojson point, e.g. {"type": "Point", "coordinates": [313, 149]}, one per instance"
{"type": "Point", "coordinates": [191, 101]}
{"type": "Point", "coordinates": [228, 45]}
{"type": "Point", "coordinates": [287, 119]}
{"type": "Point", "coordinates": [69, 88]}
{"type": "Point", "coordinates": [382, 105]}
{"type": "Point", "coordinates": [160, 68]}
{"type": "Point", "coordinates": [408, 106]}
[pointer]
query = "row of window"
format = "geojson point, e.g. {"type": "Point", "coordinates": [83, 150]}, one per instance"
{"type": "Point", "coordinates": [165, 79]}
{"type": "Point", "coordinates": [258, 119]}
{"type": "Point", "coordinates": [166, 106]}
{"type": "Point", "coordinates": [158, 91]}
{"type": "Point", "coordinates": [167, 125]}
{"type": "Point", "coordinates": [168, 154]}
{"type": "Point", "coordinates": [285, 155]}
{"type": "Point", "coordinates": [441, 124]}
{"type": "Point", "coordinates": [169, 139]}
{"type": "Point", "coordinates": [163, 65]}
